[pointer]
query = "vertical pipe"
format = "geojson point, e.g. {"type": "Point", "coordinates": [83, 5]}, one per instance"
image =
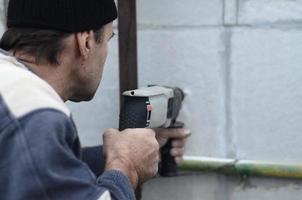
{"type": "Point", "coordinates": [127, 45]}
{"type": "Point", "coordinates": [128, 53]}
{"type": "Point", "coordinates": [5, 10]}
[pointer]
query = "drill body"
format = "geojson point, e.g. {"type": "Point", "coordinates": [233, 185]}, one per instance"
{"type": "Point", "coordinates": [153, 107]}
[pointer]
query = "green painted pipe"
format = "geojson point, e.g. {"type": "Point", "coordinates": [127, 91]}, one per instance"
{"type": "Point", "coordinates": [242, 168]}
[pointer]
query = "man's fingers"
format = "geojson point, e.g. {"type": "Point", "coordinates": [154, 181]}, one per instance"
{"type": "Point", "coordinates": [177, 152]}
{"type": "Point", "coordinates": [178, 160]}
{"type": "Point", "coordinates": [176, 133]}
{"type": "Point", "coordinates": [176, 143]}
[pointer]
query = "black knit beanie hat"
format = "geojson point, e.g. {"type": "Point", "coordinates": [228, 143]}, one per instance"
{"type": "Point", "coordinates": [64, 15]}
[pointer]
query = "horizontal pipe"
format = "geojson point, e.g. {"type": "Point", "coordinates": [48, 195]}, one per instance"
{"type": "Point", "coordinates": [242, 168]}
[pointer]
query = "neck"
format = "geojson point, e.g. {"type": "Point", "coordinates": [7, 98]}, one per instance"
{"type": "Point", "coordinates": [54, 75]}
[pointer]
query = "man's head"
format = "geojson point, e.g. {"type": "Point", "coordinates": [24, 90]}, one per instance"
{"type": "Point", "coordinates": [63, 38]}
{"type": "Point", "coordinates": [89, 60]}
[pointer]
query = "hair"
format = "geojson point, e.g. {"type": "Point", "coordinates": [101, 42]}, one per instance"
{"type": "Point", "coordinates": [43, 45]}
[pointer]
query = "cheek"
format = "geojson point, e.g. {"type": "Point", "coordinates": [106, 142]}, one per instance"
{"type": "Point", "coordinates": [102, 55]}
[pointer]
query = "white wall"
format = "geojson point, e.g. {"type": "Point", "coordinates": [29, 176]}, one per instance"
{"type": "Point", "coordinates": [240, 63]}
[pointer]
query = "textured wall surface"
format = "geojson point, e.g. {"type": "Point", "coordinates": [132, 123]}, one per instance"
{"type": "Point", "coordinates": [239, 62]}
{"type": "Point", "coordinates": [202, 82]}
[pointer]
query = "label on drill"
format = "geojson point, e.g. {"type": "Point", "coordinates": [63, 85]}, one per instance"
{"type": "Point", "coordinates": [149, 110]}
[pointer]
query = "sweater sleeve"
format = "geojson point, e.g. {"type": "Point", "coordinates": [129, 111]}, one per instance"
{"type": "Point", "coordinates": [94, 158]}
{"type": "Point", "coordinates": [53, 148]}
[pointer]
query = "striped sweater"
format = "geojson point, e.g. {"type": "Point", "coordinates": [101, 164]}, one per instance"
{"type": "Point", "coordinates": [40, 152]}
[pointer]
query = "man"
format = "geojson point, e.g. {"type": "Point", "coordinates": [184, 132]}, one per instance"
{"type": "Point", "coordinates": [54, 51]}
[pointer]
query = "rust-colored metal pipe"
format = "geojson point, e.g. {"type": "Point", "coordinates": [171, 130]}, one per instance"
{"type": "Point", "coordinates": [127, 29]}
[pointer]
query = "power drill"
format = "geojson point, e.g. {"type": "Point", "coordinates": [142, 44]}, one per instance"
{"type": "Point", "coordinates": [154, 107]}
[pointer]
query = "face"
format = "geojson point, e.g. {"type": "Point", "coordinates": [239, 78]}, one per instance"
{"type": "Point", "coordinates": [91, 70]}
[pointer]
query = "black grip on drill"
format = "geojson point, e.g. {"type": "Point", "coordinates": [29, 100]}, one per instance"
{"type": "Point", "coordinates": [168, 166]}
{"type": "Point", "coordinates": [133, 113]}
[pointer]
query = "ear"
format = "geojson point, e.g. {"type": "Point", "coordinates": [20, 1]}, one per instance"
{"type": "Point", "coordinates": [84, 41]}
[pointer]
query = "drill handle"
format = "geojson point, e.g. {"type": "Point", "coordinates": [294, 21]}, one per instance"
{"type": "Point", "coordinates": [168, 166]}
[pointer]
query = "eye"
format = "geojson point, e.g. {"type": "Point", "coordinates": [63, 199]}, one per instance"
{"type": "Point", "coordinates": [113, 34]}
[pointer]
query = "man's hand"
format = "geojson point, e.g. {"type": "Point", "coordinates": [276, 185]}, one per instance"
{"type": "Point", "coordinates": [135, 152]}
{"type": "Point", "coordinates": [178, 136]}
